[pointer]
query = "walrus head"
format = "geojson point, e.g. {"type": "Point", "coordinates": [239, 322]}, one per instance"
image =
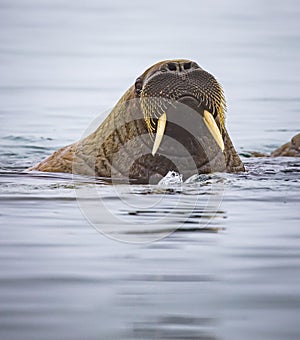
{"type": "Point", "coordinates": [181, 101]}
{"type": "Point", "coordinates": [172, 118]}
{"type": "Point", "coordinates": [182, 81]}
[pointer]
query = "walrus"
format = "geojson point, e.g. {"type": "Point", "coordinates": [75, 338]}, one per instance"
{"type": "Point", "coordinates": [289, 149]}
{"type": "Point", "coordinates": [171, 119]}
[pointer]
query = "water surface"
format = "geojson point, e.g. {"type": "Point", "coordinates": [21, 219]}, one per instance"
{"type": "Point", "coordinates": [229, 267]}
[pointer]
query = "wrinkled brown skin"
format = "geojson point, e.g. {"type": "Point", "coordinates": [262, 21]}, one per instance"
{"type": "Point", "coordinates": [290, 149]}
{"type": "Point", "coordinates": [93, 155]}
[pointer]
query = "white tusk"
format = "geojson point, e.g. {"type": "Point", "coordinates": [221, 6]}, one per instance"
{"type": "Point", "coordinates": [161, 126]}
{"type": "Point", "coordinates": [213, 129]}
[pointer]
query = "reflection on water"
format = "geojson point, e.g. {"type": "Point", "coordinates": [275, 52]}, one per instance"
{"type": "Point", "coordinates": [226, 262]}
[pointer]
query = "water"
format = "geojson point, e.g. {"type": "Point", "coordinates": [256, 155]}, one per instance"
{"type": "Point", "coordinates": [229, 265]}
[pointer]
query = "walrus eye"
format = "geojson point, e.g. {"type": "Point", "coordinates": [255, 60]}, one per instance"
{"type": "Point", "coordinates": [138, 85]}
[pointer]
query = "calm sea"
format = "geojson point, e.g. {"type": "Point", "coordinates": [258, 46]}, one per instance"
{"type": "Point", "coordinates": [222, 260]}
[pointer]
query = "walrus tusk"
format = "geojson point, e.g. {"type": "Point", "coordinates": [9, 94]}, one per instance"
{"type": "Point", "coordinates": [213, 129]}
{"type": "Point", "coordinates": [161, 126]}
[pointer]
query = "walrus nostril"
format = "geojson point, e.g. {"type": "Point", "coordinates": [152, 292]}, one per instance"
{"type": "Point", "coordinates": [172, 66]}
{"type": "Point", "coordinates": [187, 66]}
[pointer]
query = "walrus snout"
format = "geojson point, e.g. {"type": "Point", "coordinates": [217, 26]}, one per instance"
{"type": "Point", "coordinates": [180, 68]}
{"type": "Point", "coordinates": [174, 81]}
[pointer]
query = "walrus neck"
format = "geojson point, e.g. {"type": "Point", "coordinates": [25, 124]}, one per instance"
{"type": "Point", "coordinates": [232, 159]}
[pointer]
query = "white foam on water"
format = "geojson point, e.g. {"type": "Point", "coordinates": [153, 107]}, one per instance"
{"type": "Point", "coordinates": [171, 178]}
